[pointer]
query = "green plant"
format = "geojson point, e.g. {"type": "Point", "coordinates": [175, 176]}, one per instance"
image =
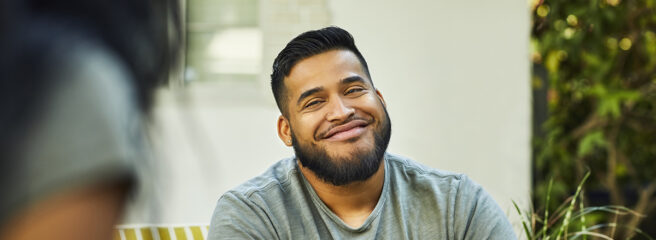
{"type": "Point", "coordinates": [596, 61]}
{"type": "Point", "coordinates": [571, 221]}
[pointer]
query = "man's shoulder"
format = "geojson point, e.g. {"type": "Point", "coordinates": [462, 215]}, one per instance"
{"type": "Point", "coordinates": [255, 207]}
{"type": "Point", "coordinates": [276, 178]}
{"type": "Point", "coordinates": [414, 169]}
{"type": "Point", "coordinates": [469, 206]}
{"type": "Point", "coordinates": [406, 172]}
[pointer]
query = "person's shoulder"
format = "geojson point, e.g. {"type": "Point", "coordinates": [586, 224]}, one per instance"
{"type": "Point", "coordinates": [251, 209]}
{"type": "Point", "coordinates": [418, 174]}
{"type": "Point", "coordinates": [415, 169]}
{"type": "Point", "coordinates": [249, 203]}
{"type": "Point", "coordinates": [275, 180]}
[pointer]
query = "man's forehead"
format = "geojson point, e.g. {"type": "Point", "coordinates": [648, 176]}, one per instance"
{"type": "Point", "coordinates": [328, 67]}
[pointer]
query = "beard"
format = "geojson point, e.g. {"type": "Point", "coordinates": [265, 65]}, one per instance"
{"type": "Point", "coordinates": [339, 171]}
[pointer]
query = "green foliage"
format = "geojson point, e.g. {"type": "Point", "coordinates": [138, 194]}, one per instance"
{"type": "Point", "coordinates": [572, 220]}
{"type": "Point", "coordinates": [590, 141]}
{"type": "Point", "coordinates": [599, 60]}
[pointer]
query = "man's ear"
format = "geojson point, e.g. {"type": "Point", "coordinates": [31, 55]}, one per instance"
{"type": "Point", "coordinates": [380, 95]}
{"type": "Point", "coordinates": [284, 131]}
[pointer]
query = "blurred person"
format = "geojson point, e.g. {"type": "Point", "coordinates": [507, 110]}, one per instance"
{"type": "Point", "coordinates": [77, 82]}
{"type": "Point", "coordinates": [342, 184]}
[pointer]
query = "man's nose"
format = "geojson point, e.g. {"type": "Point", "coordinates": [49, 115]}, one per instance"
{"type": "Point", "coordinates": [339, 111]}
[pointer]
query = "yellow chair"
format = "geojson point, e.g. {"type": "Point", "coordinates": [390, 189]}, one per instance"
{"type": "Point", "coordinates": [160, 232]}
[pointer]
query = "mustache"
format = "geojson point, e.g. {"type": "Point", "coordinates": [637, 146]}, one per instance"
{"type": "Point", "coordinates": [324, 133]}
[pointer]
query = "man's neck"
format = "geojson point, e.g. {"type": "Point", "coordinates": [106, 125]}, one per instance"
{"type": "Point", "coordinates": [352, 202]}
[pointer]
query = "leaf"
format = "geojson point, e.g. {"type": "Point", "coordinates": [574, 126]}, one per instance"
{"type": "Point", "coordinates": [609, 106]}
{"type": "Point", "coordinates": [590, 141]}
{"type": "Point", "coordinates": [590, 59]}
{"type": "Point", "coordinates": [570, 209]}
{"type": "Point", "coordinates": [611, 100]}
{"type": "Point", "coordinates": [524, 222]}
{"type": "Point", "coordinates": [552, 61]}
{"type": "Point", "coordinates": [621, 170]}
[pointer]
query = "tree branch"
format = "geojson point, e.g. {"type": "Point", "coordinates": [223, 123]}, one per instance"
{"type": "Point", "coordinates": [645, 201]}
{"type": "Point", "coordinates": [611, 168]}
{"type": "Point", "coordinates": [593, 121]}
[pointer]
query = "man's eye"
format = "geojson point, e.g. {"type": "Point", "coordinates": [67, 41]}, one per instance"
{"type": "Point", "coordinates": [354, 90]}
{"type": "Point", "coordinates": [312, 103]}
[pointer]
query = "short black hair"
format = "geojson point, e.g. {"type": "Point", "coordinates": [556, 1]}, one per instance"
{"type": "Point", "coordinates": [306, 45]}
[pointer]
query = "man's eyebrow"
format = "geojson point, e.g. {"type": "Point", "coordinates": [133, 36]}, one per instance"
{"type": "Point", "coordinates": [344, 81]}
{"type": "Point", "coordinates": [352, 79]}
{"type": "Point", "coordinates": [308, 93]}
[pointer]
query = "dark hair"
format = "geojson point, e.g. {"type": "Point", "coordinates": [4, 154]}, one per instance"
{"type": "Point", "coordinates": [144, 34]}
{"type": "Point", "coordinates": [138, 31]}
{"type": "Point", "coordinates": [306, 45]}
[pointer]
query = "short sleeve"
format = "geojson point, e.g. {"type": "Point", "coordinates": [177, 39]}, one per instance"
{"type": "Point", "coordinates": [477, 215]}
{"type": "Point", "coordinates": [236, 217]}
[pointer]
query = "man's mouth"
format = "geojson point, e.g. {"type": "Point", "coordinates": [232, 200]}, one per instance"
{"type": "Point", "coordinates": [346, 131]}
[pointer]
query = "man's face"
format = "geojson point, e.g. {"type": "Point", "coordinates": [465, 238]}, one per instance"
{"type": "Point", "coordinates": [336, 120]}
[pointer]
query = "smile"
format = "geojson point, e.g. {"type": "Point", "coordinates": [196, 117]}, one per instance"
{"type": "Point", "coordinates": [346, 131]}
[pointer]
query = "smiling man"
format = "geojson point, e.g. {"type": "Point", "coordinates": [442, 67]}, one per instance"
{"type": "Point", "coordinates": [342, 184]}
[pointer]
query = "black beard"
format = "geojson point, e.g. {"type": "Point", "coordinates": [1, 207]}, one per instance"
{"type": "Point", "coordinates": [339, 172]}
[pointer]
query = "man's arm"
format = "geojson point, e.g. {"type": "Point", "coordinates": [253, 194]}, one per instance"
{"type": "Point", "coordinates": [237, 217]}
{"type": "Point", "coordinates": [478, 216]}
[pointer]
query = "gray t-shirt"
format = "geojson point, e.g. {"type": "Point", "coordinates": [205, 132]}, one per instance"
{"type": "Point", "coordinates": [88, 130]}
{"type": "Point", "coordinates": [417, 202]}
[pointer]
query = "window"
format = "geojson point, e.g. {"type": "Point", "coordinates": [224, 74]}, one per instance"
{"type": "Point", "coordinates": [224, 41]}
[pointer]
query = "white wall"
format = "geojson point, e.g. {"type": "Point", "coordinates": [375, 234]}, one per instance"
{"type": "Point", "coordinates": [455, 76]}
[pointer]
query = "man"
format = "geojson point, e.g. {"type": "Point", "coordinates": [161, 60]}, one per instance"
{"type": "Point", "coordinates": [342, 184]}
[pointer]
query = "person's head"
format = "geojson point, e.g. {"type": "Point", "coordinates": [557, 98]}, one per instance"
{"type": "Point", "coordinates": [332, 114]}
{"type": "Point", "coordinates": [143, 34]}
{"type": "Point", "coordinates": [306, 45]}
